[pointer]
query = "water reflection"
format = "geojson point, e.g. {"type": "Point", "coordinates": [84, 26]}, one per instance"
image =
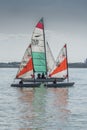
{"type": "Point", "coordinates": [57, 107]}
{"type": "Point", "coordinates": [26, 99]}
{"type": "Point", "coordinates": [43, 109]}
{"type": "Point", "coordinates": [25, 129]}
{"type": "Point", "coordinates": [61, 96]}
{"type": "Point", "coordinates": [32, 110]}
{"type": "Point", "coordinates": [27, 95]}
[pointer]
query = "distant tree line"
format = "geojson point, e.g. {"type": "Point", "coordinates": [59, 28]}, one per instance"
{"type": "Point", "coordinates": [16, 65]}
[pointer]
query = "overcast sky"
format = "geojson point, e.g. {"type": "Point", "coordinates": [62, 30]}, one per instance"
{"type": "Point", "coordinates": [65, 22]}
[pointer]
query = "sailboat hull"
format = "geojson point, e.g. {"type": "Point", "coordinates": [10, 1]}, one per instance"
{"type": "Point", "coordinates": [60, 84]}
{"type": "Point", "coordinates": [43, 80]}
{"type": "Point", "coordinates": [49, 85]}
{"type": "Point", "coordinates": [27, 85]}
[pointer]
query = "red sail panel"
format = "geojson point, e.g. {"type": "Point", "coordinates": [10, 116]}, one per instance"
{"type": "Point", "coordinates": [62, 66]}
{"type": "Point", "coordinates": [26, 68]}
{"type": "Point", "coordinates": [40, 24]}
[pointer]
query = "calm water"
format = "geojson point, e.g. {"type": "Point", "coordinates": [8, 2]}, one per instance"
{"type": "Point", "coordinates": [42, 108]}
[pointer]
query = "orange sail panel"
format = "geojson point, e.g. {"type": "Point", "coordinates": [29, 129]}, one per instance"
{"type": "Point", "coordinates": [61, 67]}
{"type": "Point", "coordinates": [26, 68]}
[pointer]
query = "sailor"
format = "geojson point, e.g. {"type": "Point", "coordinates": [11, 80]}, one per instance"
{"type": "Point", "coordinates": [21, 82]}
{"type": "Point", "coordinates": [54, 81]}
{"type": "Point", "coordinates": [43, 76]}
{"type": "Point", "coordinates": [39, 76]}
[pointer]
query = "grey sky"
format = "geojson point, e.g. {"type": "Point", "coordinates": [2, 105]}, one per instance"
{"type": "Point", "coordinates": [65, 22]}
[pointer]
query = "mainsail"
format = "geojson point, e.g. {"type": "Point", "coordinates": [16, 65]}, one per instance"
{"type": "Point", "coordinates": [26, 66]}
{"type": "Point", "coordinates": [60, 69]}
{"type": "Point", "coordinates": [38, 48]}
{"type": "Point", "coordinates": [34, 59]}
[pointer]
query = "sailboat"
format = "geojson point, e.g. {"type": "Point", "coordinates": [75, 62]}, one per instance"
{"type": "Point", "coordinates": [37, 60]}
{"type": "Point", "coordinates": [60, 69]}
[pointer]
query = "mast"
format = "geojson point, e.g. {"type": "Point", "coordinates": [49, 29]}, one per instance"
{"type": "Point", "coordinates": [67, 64]}
{"type": "Point", "coordinates": [32, 64]}
{"type": "Point", "coordinates": [44, 46]}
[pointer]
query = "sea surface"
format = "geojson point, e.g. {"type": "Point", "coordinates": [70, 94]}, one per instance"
{"type": "Point", "coordinates": [43, 108]}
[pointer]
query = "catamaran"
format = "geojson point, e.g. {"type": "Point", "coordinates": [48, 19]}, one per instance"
{"type": "Point", "coordinates": [38, 60]}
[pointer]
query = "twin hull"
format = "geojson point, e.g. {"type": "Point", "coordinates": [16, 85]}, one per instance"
{"type": "Point", "coordinates": [43, 80]}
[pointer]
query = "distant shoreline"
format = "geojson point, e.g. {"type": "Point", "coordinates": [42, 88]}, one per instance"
{"type": "Point", "coordinates": [16, 65]}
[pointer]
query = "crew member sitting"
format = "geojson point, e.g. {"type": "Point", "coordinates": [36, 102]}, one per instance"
{"type": "Point", "coordinates": [54, 81]}
{"type": "Point", "coordinates": [43, 76]}
{"type": "Point", "coordinates": [38, 76]}
{"type": "Point", "coordinates": [20, 82]}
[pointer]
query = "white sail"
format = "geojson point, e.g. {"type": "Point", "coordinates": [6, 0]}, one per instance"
{"type": "Point", "coordinates": [26, 66]}
{"type": "Point", "coordinates": [38, 48]}
{"type": "Point", "coordinates": [50, 58]}
{"type": "Point", "coordinates": [34, 59]}
{"type": "Point", "coordinates": [61, 66]}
